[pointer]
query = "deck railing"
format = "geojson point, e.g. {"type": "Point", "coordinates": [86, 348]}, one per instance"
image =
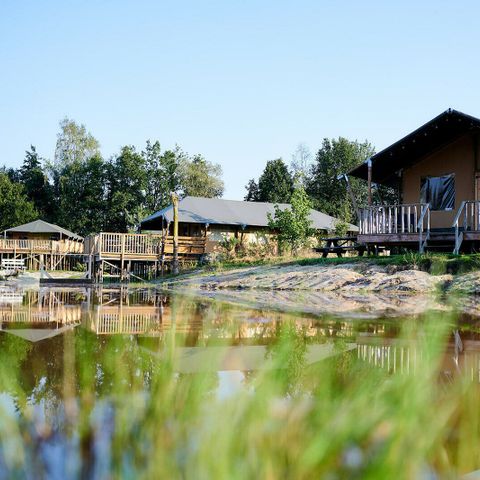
{"type": "Point", "coordinates": [9, 245]}
{"type": "Point", "coordinates": [395, 219]}
{"type": "Point", "coordinates": [466, 219]}
{"type": "Point", "coordinates": [141, 245]}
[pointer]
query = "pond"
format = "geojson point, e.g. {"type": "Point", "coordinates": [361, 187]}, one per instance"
{"type": "Point", "coordinates": [125, 382]}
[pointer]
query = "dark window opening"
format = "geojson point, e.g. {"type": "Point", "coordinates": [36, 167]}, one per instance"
{"type": "Point", "coordinates": [439, 192]}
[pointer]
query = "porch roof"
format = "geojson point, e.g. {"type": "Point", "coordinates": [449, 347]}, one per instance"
{"type": "Point", "coordinates": [435, 134]}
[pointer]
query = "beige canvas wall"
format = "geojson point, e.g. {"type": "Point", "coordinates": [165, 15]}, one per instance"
{"type": "Point", "coordinates": [216, 233]}
{"type": "Point", "coordinates": [458, 158]}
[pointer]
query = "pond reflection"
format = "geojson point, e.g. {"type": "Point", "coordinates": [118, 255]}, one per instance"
{"type": "Point", "coordinates": [85, 371]}
{"type": "Point", "coordinates": [219, 336]}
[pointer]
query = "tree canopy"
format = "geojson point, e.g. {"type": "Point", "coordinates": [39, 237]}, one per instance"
{"type": "Point", "coordinates": [74, 143]}
{"type": "Point", "coordinates": [15, 207]}
{"type": "Point", "coordinates": [200, 178]}
{"type": "Point", "coordinates": [334, 158]}
{"type": "Point", "coordinates": [86, 193]}
{"type": "Point", "coordinates": [275, 184]}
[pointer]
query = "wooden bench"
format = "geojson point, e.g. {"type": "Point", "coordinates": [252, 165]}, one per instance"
{"type": "Point", "coordinates": [13, 264]}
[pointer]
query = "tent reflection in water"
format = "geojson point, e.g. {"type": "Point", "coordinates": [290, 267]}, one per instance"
{"type": "Point", "coordinates": [37, 334]}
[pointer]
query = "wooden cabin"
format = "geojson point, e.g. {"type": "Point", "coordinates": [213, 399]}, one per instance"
{"type": "Point", "coordinates": [436, 173]}
{"type": "Point", "coordinates": [40, 243]}
{"type": "Point", "coordinates": [216, 219]}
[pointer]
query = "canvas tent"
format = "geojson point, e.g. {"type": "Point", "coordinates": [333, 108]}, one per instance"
{"type": "Point", "coordinates": [41, 228]}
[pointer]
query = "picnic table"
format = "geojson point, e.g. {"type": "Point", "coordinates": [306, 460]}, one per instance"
{"type": "Point", "coordinates": [341, 245]}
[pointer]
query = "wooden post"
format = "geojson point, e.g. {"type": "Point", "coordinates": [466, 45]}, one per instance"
{"type": "Point", "coordinates": [89, 271]}
{"type": "Point", "coordinates": [369, 166]}
{"type": "Point", "coordinates": [122, 257]}
{"type": "Point", "coordinates": [175, 268]}
{"type": "Point", "coordinates": [352, 195]}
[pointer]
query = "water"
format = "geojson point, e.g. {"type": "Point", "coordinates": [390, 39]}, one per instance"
{"type": "Point", "coordinates": [88, 378]}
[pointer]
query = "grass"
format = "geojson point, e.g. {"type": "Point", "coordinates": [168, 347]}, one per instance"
{"type": "Point", "coordinates": [115, 410]}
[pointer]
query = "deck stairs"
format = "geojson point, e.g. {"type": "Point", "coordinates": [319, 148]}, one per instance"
{"type": "Point", "coordinates": [440, 240]}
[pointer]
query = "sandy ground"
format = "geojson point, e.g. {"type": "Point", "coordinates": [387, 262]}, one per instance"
{"type": "Point", "coordinates": [314, 278]}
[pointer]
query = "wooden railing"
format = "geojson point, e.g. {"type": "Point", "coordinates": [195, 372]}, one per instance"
{"type": "Point", "coordinates": [138, 319]}
{"type": "Point", "coordinates": [395, 219]}
{"type": "Point", "coordinates": [466, 219]}
{"type": "Point", "coordinates": [59, 314]}
{"type": "Point", "coordinates": [141, 245]}
{"type": "Point", "coordinates": [40, 246]}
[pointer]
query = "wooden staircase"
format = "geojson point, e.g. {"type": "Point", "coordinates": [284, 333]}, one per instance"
{"type": "Point", "coordinates": [441, 240]}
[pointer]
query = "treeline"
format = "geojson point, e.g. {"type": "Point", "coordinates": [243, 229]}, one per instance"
{"type": "Point", "coordinates": [318, 176]}
{"type": "Point", "coordinates": [82, 191]}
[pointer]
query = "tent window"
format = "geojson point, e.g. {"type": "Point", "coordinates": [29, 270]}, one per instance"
{"type": "Point", "coordinates": [438, 191]}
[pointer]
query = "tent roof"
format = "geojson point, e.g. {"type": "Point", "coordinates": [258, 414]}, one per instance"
{"type": "Point", "coordinates": [40, 226]}
{"type": "Point", "coordinates": [433, 135]}
{"type": "Point", "coordinates": [37, 334]}
{"type": "Point", "coordinates": [217, 211]}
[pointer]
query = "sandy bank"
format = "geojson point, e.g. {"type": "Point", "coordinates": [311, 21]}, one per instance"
{"type": "Point", "coordinates": [345, 278]}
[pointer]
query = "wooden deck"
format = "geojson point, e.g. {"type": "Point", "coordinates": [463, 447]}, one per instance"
{"type": "Point", "coordinates": [134, 246]}
{"type": "Point", "coordinates": [409, 226]}
{"type": "Point", "coordinates": [395, 225]}
{"type": "Point", "coordinates": [49, 247]}
{"type": "Point", "coordinates": [136, 254]}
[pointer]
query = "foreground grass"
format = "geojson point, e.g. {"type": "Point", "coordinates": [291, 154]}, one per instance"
{"type": "Point", "coordinates": [121, 410]}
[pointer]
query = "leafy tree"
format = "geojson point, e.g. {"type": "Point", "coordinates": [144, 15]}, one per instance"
{"type": "Point", "coordinates": [293, 224]}
{"type": "Point", "coordinates": [15, 207]}
{"type": "Point", "coordinates": [75, 147]}
{"type": "Point", "coordinates": [162, 175]}
{"type": "Point", "coordinates": [301, 163]}
{"type": "Point", "coordinates": [252, 191]}
{"type": "Point", "coordinates": [127, 182]}
{"type": "Point", "coordinates": [275, 185]}
{"type": "Point", "coordinates": [82, 206]}
{"type": "Point", "coordinates": [74, 144]}
{"type": "Point", "coordinates": [35, 182]}
{"type": "Point", "coordinates": [200, 178]}
{"type": "Point", "coordinates": [328, 193]}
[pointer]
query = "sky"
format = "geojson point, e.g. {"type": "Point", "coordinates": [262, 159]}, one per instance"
{"type": "Point", "coordinates": [240, 82]}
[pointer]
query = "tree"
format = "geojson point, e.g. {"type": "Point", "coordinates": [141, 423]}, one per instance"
{"type": "Point", "coordinates": [252, 191]}
{"type": "Point", "coordinates": [301, 163]}
{"type": "Point", "coordinates": [35, 182]}
{"type": "Point", "coordinates": [162, 175]}
{"type": "Point", "coordinates": [200, 178]}
{"type": "Point", "coordinates": [75, 147]}
{"type": "Point", "coordinates": [275, 185]}
{"type": "Point", "coordinates": [74, 144]}
{"type": "Point", "coordinates": [293, 224]}
{"type": "Point", "coordinates": [81, 200]}
{"type": "Point", "coordinates": [329, 193]}
{"type": "Point", "coordinates": [15, 207]}
{"type": "Point", "coordinates": [126, 189]}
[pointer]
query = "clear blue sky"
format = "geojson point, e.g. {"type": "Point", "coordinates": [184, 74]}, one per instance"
{"type": "Point", "coordinates": [241, 82]}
